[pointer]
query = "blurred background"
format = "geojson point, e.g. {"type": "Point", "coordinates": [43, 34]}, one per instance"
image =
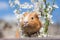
{"type": "Point", "coordinates": [8, 19]}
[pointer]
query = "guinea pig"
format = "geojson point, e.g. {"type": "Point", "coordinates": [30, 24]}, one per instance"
{"type": "Point", "coordinates": [30, 23]}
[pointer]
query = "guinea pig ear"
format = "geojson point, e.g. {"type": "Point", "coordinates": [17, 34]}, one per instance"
{"type": "Point", "coordinates": [35, 14]}
{"type": "Point", "coordinates": [25, 14]}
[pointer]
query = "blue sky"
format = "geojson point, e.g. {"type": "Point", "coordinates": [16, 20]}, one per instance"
{"type": "Point", "coordinates": [6, 10]}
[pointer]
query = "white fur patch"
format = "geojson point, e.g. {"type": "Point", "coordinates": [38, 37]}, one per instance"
{"type": "Point", "coordinates": [26, 18]}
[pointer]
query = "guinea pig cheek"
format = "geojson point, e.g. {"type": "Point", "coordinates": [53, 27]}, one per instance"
{"type": "Point", "coordinates": [32, 23]}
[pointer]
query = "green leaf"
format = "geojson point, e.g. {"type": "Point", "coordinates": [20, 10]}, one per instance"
{"type": "Point", "coordinates": [45, 10]}
{"type": "Point", "coordinates": [46, 26]}
{"type": "Point", "coordinates": [44, 0]}
{"type": "Point", "coordinates": [41, 6]}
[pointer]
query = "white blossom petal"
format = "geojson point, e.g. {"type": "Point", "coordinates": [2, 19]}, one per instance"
{"type": "Point", "coordinates": [17, 2]}
{"type": "Point", "coordinates": [51, 21]}
{"type": "Point", "coordinates": [17, 13]}
{"type": "Point", "coordinates": [36, 6]}
{"type": "Point", "coordinates": [42, 29]}
{"type": "Point", "coordinates": [49, 8]}
{"type": "Point", "coordinates": [44, 17]}
{"type": "Point", "coordinates": [21, 16]}
{"type": "Point", "coordinates": [55, 6]}
{"type": "Point", "coordinates": [32, 1]}
{"type": "Point", "coordinates": [30, 6]}
{"type": "Point", "coordinates": [11, 4]}
{"type": "Point", "coordinates": [26, 5]}
{"type": "Point", "coordinates": [49, 16]}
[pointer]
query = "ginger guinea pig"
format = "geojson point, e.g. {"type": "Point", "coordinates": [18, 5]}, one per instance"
{"type": "Point", "coordinates": [30, 23]}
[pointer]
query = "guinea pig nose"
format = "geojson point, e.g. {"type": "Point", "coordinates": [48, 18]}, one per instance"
{"type": "Point", "coordinates": [25, 22]}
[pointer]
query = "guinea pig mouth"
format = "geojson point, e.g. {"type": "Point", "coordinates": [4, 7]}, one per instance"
{"type": "Point", "coordinates": [25, 25]}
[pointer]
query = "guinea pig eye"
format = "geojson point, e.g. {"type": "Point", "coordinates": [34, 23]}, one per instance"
{"type": "Point", "coordinates": [32, 18]}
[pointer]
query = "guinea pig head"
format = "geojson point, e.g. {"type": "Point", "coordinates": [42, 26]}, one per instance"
{"type": "Point", "coordinates": [31, 22]}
